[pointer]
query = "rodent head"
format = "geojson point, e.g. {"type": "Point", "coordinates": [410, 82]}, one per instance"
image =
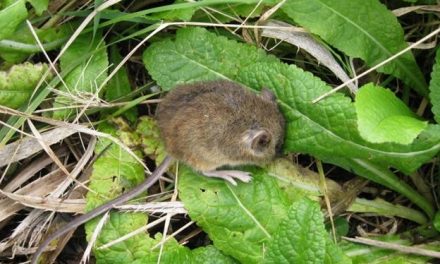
{"type": "Point", "coordinates": [262, 133]}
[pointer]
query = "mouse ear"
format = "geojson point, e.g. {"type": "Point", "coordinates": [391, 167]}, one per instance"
{"type": "Point", "coordinates": [257, 140]}
{"type": "Point", "coordinates": [268, 95]}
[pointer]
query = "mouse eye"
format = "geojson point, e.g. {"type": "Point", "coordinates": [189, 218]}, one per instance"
{"type": "Point", "coordinates": [261, 141]}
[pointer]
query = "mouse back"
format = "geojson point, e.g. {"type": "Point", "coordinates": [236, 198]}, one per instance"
{"type": "Point", "coordinates": [217, 123]}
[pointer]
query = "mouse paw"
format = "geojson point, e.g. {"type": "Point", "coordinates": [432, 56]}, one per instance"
{"type": "Point", "coordinates": [230, 175]}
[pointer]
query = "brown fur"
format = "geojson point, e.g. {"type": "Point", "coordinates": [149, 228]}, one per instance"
{"type": "Point", "coordinates": [211, 124]}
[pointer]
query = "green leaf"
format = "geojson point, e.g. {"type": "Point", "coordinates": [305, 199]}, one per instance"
{"type": "Point", "coordinates": [384, 208]}
{"type": "Point", "coordinates": [436, 221]}
{"type": "Point", "coordinates": [119, 86]}
{"type": "Point", "coordinates": [382, 117]}
{"type": "Point", "coordinates": [434, 87]}
{"type": "Point", "coordinates": [12, 15]}
{"type": "Point", "coordinates": [362, 29]}
{"type": "Point", "coordinates": [175, 253]}
{"type": "Point", "coordinates": [301, 237]}
{"type": "Point", "coordinates": [230, 11]}
{"type": "Point", "coordinates": [39, 5]}
{"type": "Point", "coordinates": [256, 222]}
{"type": "Point", "coordinates": [210, 254]}
{"type": "Point", "coordinates": [151, 142]}
{"type": "Point", "coordinates": [334, 254]}
{"type": "Point", "coordinates": [114, 171]}
{"type": "Point", "coordinates": [197, 56]}
{"type": "Point", "coordinates": [85, 79]}
{"type": "Point", "coordinates": [18, 84]}
{"type": "Point", "coordinates": [239, 219]}
{"type": "Point", "coordinates": [23, 43]}
{"type": "Point", "coordinates": [183, 14]}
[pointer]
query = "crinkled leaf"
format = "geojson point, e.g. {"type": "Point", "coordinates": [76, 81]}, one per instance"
{"type": "Point", "coordinates": [18, 84]}
{"type": "Point", "coordinates": [210, 254]}
{"type": "Point", "coordinates": [239, 219]}
{"type": "Point", "coordinates": [434, 87]}
{"type": "Point", "coordinates": [382, 117]}
{"type": "Point", "coordinates": [373, 32]}
{"type": "Point", "coordinates": [301, 237]}
{"type": "Point", "coordinates": [12, 15]}
{"type": "Point", "coordinates": [175, 253]}
{"type": "Point", "coordinates": [150, 140]}
{"type": "Point", "coordinates": [244, 220]}
{"type": "Point", "coordinates": [197, 56]}
{"type": "Point", "coordinates": [85, 79]}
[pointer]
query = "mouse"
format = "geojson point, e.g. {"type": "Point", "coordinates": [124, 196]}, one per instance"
{"type": "Point", "coordinates": [215, 124]}
{"type": "Point", "coordinates": [207, 125]}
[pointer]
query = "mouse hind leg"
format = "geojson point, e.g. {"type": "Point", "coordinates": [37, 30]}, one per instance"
{"type": "Point", "coordinates": [229, 175]}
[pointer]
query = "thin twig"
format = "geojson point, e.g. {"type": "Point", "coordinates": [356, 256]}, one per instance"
{"type": "Point", "coordinates": [392, 246]}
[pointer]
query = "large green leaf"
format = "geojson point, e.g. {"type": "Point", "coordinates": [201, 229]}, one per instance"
{"type": "Point", "coordinates": [360, 28]}
{"type": "Point", "coordinates": [434, 87]}
{"type": "Point", "coordinates": [197, 56]}
{"type": "Point", "coordinates": [85, 79]}
{"type": "Point", "coordinates": [239, 219]}
{"type": "Point", "coordinates": [256, 222]}
{"type": "Point", "coordinates": [382, 117]}
{"type": "Point", "coordinates": [301, 237]}
{"type": "Point", "coordinates": [18, 84]}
